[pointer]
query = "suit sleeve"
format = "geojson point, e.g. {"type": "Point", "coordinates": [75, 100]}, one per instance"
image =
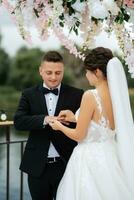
{"type": "Point", "coordinates": [24, 119]}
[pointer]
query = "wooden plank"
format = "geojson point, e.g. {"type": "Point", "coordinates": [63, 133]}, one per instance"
{"type": "Point", "coordinates": [6, 123]}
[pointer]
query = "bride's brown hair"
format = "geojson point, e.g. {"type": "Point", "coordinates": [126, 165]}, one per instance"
{"type": "Point", "coordinates": [97, 59]}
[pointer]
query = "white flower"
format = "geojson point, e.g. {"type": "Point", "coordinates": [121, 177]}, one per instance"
{"type": "Point", "coordinates": [98, 10]}
{"type": "Point", "coordinates": [111, 6]}
{"type": "Point", "coordinates": [57, 7]}
{"type": "Point", "coordinates": [79, 6]}
{"type": "Point", "coordinates": [70, 21]}
{"type": "Point", "coordinates": [130, 62]}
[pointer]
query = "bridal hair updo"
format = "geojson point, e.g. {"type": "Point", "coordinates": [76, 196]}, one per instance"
{"type": "Point", "coordinates": [97, 59]}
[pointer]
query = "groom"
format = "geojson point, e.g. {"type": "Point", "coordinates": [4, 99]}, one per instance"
{"type": "Point", "coordinates": [47, 151]}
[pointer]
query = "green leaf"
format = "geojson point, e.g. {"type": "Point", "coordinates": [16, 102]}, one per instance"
{"type": "Point", "coordinates": [61, 24]}
{"type": "Point", "coordinates": [126, 17]}
{"type": "Point", "coordinates": [71, 11]}
{"type": "Point", "coordinates": [83, 0]}
{"type": "Point", "coordinates": [61, 17]}
{"type": "Point", "coordinates": [50, 1]}
{"type": "Point", "coordinates": [123, 15]}
{"type": "Point", "coordinates": [36, 12]}
{"type": "Point", "coordinates": [95, 20]}
{"type": "Point", "coordinates": [77, 23]}
{"type": "Point", "coordinates": [69, 1]}
{"type": "Point", "coordinates": [70, 29]}
{"type": "Point", "coordinates": [75, 30]}
{"type": "Point", "coordinates": [73, 1]}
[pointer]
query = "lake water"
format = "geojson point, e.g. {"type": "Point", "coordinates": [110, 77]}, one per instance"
{"type": "Point", "coordinates": [14, 168]}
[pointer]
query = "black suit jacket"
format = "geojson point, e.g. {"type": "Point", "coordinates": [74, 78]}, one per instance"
{"type": "Point", "coordinates": [30, 116]}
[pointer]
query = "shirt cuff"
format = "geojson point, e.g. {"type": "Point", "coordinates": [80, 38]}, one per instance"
{"type": "Point", "coordinates": [44, 122]}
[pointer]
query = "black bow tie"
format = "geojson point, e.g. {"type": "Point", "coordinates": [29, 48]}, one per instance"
{"type": "Point", "coordinates": [46, 91]}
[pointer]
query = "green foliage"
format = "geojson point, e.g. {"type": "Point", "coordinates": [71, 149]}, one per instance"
{"type": "Point", "coordinates": [73, 68]}
{"type": "Point", "coordinates": [132, 100]}
{"type": "Point", "coordinates": [9, 98]}
{"type": "Point", "coordinates": [129, 79]}
{"type": "Point", "coordinates": [25, 68]}
{"type": "Point", "coordinates": [0, 38]}
{"type": "Point", "coordinates": [4, 66]}
{"type": "Point", "coordinates": [71, 62]}
{"type": "Point", "coordinates": [123, 15]}
{"type": "Point", "coordinates": [68, 76]}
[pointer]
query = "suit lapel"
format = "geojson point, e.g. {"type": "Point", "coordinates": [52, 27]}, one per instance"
{"type": "Point", "coordinates": [42, 100]}
{"type": "Point", "coordinates": [61, 100]}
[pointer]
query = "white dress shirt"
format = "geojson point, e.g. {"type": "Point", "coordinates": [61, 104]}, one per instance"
{"type": "Point", "coordinates": [51, 102]}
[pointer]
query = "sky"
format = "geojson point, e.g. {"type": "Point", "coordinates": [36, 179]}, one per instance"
{"type": "Point", "coordinates": [12, 41]}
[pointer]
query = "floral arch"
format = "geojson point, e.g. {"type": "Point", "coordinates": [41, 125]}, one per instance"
{"type": "Point", "coordinates": [83, 17]}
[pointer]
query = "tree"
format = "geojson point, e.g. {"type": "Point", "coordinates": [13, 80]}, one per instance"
{"type": "Point", "coordinates": [75, 67]}
{"type": "Point", "coordinates": [0, 38]}
{"type": "Point", "coordinates": [4, 65]}
{"type": "Point", "coordinates": [129, 79]}
{"type": "Point", "coordinates": [25, 68]}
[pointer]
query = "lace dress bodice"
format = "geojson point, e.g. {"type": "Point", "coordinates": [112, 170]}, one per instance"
{"type": "Point", "coordinates": [99, 131]}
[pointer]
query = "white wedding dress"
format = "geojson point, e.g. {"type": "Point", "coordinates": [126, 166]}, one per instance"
{"type": "Point", "coordinates": [93, 171]}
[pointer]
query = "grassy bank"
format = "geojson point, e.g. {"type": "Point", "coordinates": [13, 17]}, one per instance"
{"type": "Point", "coordinates": [9, 100]}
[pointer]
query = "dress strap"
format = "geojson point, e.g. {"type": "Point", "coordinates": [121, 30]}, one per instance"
{"type": "Point", "coordinates": [103, 120]}
{"type": "Point", "coordinates": [98, 100]}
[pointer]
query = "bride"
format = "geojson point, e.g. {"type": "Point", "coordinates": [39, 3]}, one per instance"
{"type": "Point", "coordinates": [102, 164]}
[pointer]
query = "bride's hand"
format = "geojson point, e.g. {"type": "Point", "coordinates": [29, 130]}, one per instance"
{"type": "Point", "coordinates": [66, 116]}
{"type": "Point", "coordinates": [55, 124]}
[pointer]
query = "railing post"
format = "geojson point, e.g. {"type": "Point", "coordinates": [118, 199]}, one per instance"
{"type": "Point", "coordinates": [7, 126]}
{"type": "Point", "coordinates": [8, 142]}
{"type": "Point", "coordinates": [21, 176]}
{"type": "Point", "coordinates": [8, 161]}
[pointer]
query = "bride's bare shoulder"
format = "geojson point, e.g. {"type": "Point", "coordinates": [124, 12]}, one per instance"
{"type": "Point", "coordinates": [89, 93]}
{"type": "Point", "coordinates": [88, 97]}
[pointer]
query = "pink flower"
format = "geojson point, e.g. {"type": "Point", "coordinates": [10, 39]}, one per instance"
{"type": "Point", "coordinates": [10, 9]}
{"type": "Point", "coordinates": [129, 3]}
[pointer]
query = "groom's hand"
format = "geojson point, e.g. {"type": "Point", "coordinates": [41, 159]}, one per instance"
{"type": "Point", "coordinates": [48, 119]}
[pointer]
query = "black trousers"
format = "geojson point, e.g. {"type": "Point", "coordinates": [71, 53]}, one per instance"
{"type": "Point", "coordinates": [45, 187]}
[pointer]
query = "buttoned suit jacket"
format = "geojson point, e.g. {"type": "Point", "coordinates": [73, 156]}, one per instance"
{"type": "Point", "coordinates": [30, 117]}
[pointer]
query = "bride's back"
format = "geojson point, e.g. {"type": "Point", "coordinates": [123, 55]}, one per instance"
{"type": "Point", "coordinates": [103, 107]}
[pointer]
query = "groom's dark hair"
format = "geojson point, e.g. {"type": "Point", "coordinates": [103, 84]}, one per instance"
{"type": "Point", "coordinates": [97, 59]}
{"type": "Point", "coordinates": [52, 56]}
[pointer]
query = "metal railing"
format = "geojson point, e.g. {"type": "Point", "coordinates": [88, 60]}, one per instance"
{"type": "Point", "coordinates": [8, 142]}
